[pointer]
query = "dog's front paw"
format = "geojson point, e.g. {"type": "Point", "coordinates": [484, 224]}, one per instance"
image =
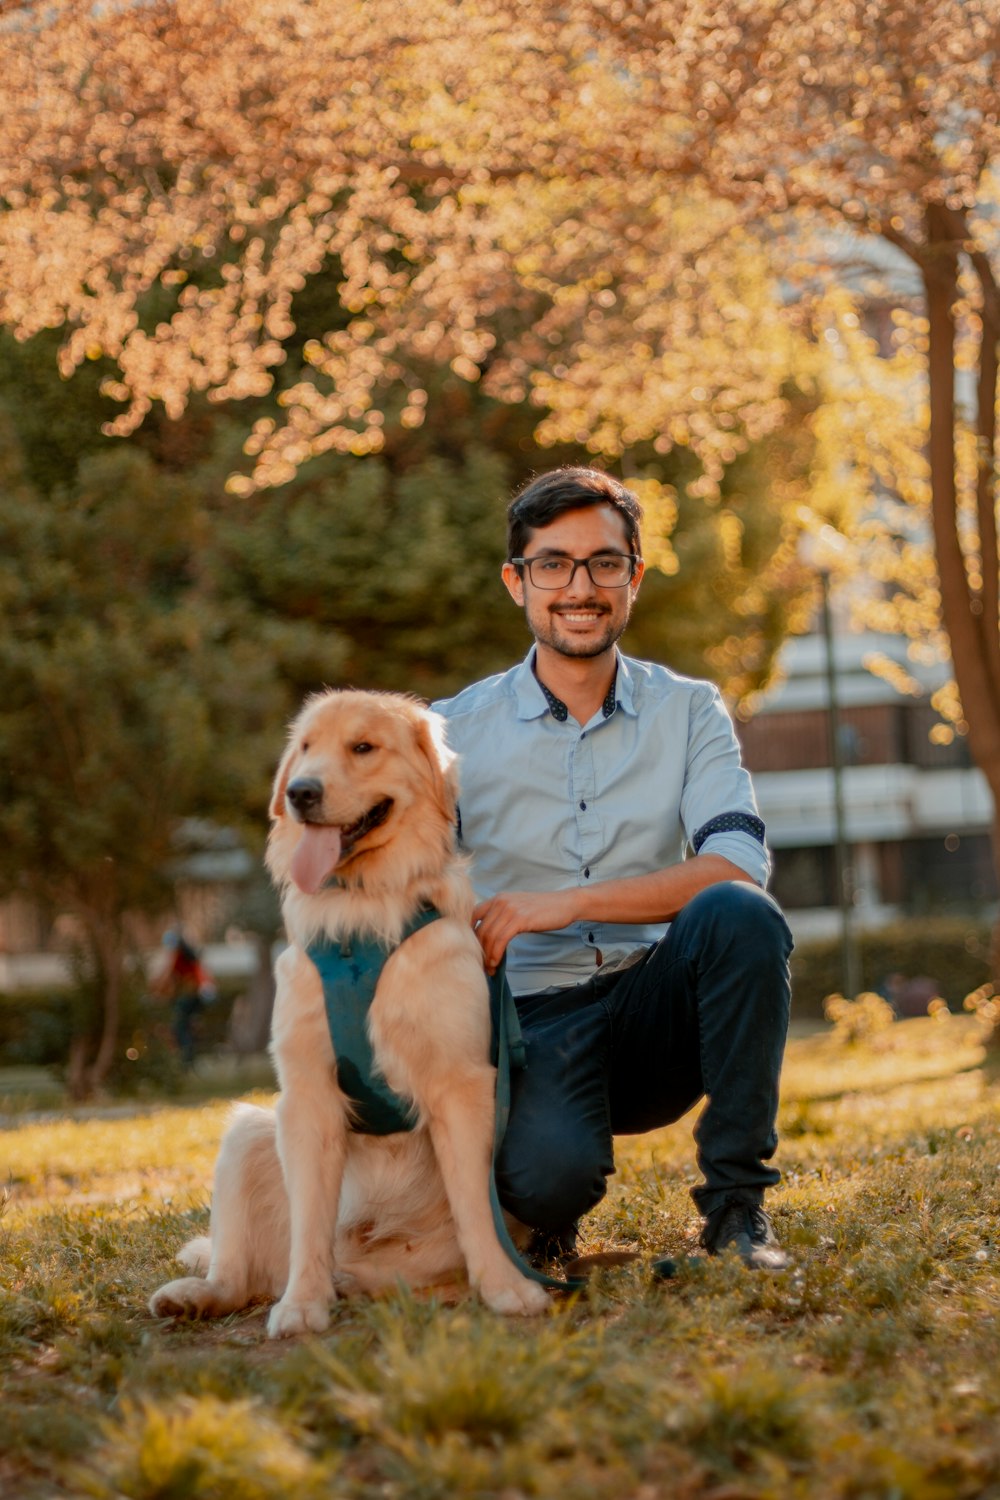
{"type": "Point", "coordinates": [514, 1295]}
{"type": "Point", "coordinates": [288, 1319]}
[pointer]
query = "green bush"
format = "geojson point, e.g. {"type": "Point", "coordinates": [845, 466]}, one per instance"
{"type": "Point", "coordinates": [37, 1026]}
{"type": "Point", "coordinates": [953, 951]}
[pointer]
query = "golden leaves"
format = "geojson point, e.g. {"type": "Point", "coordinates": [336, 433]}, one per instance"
{"type": "Point", "coordinates": [573, 200]}
{"type": "Point", "coordinates": [659, 504]}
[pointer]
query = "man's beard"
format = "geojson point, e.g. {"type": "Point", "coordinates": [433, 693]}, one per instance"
{"type": "Point", "coordinates": [545, 628]}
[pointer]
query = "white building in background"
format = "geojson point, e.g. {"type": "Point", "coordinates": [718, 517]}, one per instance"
{"type": "Point", "coordinates": [917, 814]}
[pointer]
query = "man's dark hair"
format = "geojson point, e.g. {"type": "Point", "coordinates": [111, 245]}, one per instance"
{"type": "Point", "coordinates": [543, 499]}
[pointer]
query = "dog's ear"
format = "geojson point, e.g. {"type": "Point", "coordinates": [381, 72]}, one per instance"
{"type": "Point", "coordinates": [430, 732]}
{"type": "Point", "coordinates": [277, 807]}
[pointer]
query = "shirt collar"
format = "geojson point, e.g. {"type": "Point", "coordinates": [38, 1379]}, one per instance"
{"type": "Point", "coordinates": [531, 702]}
{"type": "Point", "coordinates": [534, 700]}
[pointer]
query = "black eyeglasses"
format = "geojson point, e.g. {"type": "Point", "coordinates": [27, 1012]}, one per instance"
{"type": "Point", "coordinates": [608, 570]}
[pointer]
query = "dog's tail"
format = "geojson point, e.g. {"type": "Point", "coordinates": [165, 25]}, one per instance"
{"type": "Point", "coordinates": [196, 1255]}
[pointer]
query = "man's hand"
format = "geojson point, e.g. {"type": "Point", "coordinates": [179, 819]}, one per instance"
{"type": "Point", "coordinates": [656, 897]}
{"type": "Point", "coordinates": [499, 919]}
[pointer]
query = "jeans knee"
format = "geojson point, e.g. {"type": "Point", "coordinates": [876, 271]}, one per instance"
{"type": "Point", "coordinates": [550, 1188]}
{"type": "Point", "coordinates": [744, 917]}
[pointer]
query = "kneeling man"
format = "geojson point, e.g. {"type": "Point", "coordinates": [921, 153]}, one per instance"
{"type": "Point", "coordinates": [644, 980]}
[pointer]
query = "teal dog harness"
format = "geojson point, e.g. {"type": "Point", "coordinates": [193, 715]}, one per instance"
{"type": "Point", "coordinates": [350, 971]}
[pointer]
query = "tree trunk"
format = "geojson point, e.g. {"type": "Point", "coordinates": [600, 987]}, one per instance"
{"type": "Point", "coordinates": [111, 954]}
{"type": "Point", "coordinates": [995, 935]}
{"type": "Point", "coordinates": [90, 1064]}
{"type": "Point", "coordinates": [76, 1071]}
{"type": "Point", "coordinates": [963, 604]}
{"type": "Point", "coordinates": [989, 523]}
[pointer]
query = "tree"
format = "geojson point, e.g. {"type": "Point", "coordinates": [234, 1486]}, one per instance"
{"type": "Point", "coordinates": [500, 197]}
{"type": "Point", "coordinates": [884, 120]}
{"type": "Point", "coordinates": [126, 694]}
{"type": "Point", "coordinates": [437, 175]}
{"type": "Point", "coordinates": [181, 178]}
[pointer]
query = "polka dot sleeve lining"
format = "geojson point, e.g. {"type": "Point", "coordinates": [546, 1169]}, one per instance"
{"type": "Point", "coordinates": [729, 823]}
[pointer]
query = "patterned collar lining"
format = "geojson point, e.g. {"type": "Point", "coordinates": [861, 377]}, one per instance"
{"type": "Point", "coordinates": [558, 709]}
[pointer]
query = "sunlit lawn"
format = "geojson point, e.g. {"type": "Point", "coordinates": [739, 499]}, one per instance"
{"type": "Point", "coordinates": [869, 1370]}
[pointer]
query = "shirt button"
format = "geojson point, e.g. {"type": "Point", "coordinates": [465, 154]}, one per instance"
{"type": "Point", "coordinates": [590, 937]}
{"type": "Point", "coordinates": [583, 807]}
{"type": "Point", "coordinates": [586, 873]}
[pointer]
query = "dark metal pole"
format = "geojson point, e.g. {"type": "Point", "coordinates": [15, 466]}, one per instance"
{"type": "Point", "coordinates": [850, 967]}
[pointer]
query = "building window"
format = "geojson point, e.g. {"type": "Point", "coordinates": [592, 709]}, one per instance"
{"type": "Point", "coordinates": [922, 751]}
{"type": "Point", "coordinates": [804, 878]}
{"type": "Point", "coordinates": [954, 870]}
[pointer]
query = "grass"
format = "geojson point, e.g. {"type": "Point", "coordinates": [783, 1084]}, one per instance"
{"type": "Point", "coordinates": [866, 1372]}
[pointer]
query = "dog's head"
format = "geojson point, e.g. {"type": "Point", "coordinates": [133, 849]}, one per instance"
{"type": "Point", "coordinates": [366, 790]}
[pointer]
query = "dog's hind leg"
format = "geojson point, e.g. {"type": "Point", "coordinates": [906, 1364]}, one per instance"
{"type": "Point", "coordinates": [247, 1255]}
{"type": "Point", "coordinates": [394, 1224]}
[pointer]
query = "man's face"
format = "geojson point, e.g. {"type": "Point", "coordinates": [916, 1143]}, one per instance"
{"type": "Point", "coordinates": [581, 619]}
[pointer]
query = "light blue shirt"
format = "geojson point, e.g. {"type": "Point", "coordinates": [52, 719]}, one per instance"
{"type": "Point", "coordinates": [545, 804]}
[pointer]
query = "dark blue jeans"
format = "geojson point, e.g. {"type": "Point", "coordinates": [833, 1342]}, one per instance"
{"type": "Point", "coordinates": [702, 1014]}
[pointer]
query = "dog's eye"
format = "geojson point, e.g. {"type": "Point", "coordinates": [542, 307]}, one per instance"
{"type": "Point", "coordinates": [304, 746]}
{"type": "Point", "coordinates": [362, 748]}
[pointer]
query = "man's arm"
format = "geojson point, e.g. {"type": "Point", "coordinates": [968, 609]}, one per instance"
{"type": "Point", "coordinates": [656, 897]}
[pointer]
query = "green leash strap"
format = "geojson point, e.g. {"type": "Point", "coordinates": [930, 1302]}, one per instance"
{"type": "Point", "coordinates": [510, 1053]}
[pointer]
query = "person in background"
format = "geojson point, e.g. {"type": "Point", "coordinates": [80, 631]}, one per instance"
{"type": "Point", "coordinates": [188, 985]}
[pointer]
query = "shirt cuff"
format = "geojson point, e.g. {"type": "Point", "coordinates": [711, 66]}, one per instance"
{"type": "Point", "coordinates": [740, 849]}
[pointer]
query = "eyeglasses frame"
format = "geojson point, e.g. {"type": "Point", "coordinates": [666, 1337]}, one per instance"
{"type": "Point", "coordinates": [578, 562]}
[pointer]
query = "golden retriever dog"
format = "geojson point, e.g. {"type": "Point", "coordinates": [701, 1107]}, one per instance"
{"type": "Point", "coordinates": [361, 842]}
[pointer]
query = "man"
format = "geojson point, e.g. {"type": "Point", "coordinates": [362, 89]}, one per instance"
{"type": "Point", "coordinates": [643, 980]}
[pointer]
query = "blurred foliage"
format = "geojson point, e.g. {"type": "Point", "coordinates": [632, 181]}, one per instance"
{"type": "Point", "coordinates": [861, 1021]}
{"type": "Point", "coordinates": [39, 1035]}
{"type": "Point", "coordinates": [953, 951]}
{"type": "Point", "coordinates": [397, 556]}
{"type": "Point", "coordinates": [129, 696]}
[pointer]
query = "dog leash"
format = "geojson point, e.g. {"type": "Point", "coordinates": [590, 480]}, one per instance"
{"type": "Point", "coordinates": [511, 1053]}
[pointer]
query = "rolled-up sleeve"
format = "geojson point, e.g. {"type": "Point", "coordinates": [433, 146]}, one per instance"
{"type": "Point", "coordinates": [718, 808]}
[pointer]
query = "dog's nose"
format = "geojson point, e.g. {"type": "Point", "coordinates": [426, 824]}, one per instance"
{"type": "Point", "coordinates": [304, 795]}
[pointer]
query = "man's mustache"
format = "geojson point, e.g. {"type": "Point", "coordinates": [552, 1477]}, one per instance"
{"type": "Point", "coordinates": [587, 607]}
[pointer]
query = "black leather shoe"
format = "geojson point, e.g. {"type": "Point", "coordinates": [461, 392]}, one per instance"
{"type": "Point", "coordinates": [552, 1246]}
{"type": "Point", "coordinates": [745, 1228]}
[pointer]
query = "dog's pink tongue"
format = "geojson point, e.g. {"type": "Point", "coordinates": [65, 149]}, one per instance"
{"type": "Point", "coordinates": [317, 854]}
